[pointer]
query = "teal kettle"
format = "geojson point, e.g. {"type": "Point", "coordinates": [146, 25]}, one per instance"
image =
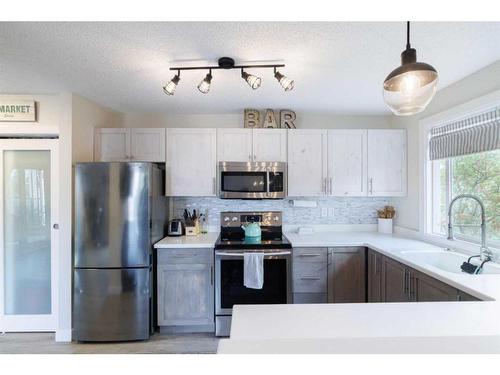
{"type": "Point", "coordinates": [252, 230]}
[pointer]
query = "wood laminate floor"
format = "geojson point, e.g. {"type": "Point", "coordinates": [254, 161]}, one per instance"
{"type": "Point", "coordinates": [43, 343]}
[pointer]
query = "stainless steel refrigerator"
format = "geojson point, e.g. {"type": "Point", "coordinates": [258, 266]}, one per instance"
{"type": "Point", "coordinates": [120, 212]}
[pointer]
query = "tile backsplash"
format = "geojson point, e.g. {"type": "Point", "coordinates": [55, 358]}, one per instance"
{"type": "Point", "coordinates": [345, 210]}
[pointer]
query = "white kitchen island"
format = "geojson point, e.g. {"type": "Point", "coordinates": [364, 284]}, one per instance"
{"type": "Point", "coordinates": [410, 327]}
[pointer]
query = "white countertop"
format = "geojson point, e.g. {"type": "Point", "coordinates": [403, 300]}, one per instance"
{"type": "Point", "coordinates": [373, 327]}
{"type": "Point", "coordinates": [199, 241]}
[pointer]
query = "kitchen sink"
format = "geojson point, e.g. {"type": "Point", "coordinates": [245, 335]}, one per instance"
{"type": "Point", "coordinates": [448, 261]}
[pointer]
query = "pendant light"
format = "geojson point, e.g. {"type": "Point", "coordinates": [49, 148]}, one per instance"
{"type": "Point", "coordinates": [204, 85]}
{"type": "Point", "coordinates": [409, 88]}
{"type": "Point", "coordinates": [170, 87]}
{"type": "Point", "coordinates": [284, 81]}
{"type": "Point", "coordinates": [253, 81]}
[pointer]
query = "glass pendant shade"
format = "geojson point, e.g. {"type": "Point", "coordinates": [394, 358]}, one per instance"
{"type": "Point", "coordinates": [204, 85]}
{"type": "Point", "coordinates": [409, 88]}
{"type": "Point", "coordinates": [170, 87]}
{"type": "Point", "coordinates": [284, 81]}
{"type": "Point", "coordinates": [253, 81]}
{"type": "Point", "coordinates": [409, 92]}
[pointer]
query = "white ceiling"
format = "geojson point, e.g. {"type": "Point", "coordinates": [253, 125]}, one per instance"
{"type": "Point", "coordinates": [337, 67]}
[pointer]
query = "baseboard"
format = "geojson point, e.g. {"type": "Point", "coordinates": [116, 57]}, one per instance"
{"type": "Point", "coordinates": [63, 335]}
{"type": "Point", "coordinates": [208, 328]}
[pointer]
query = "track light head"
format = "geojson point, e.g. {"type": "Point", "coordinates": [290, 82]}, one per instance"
{"type": "Point", "coordinates": [253, 81]}
{"type": "Point", "coordinates": [204, 85]}
{"type": "Point", "coordinates": [170, 87]}
{"type": "Point", "coordinates": [284, 81]}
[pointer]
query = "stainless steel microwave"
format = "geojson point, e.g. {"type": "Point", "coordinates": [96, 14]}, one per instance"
{"type": "Point", "coordinates": [252, 180]}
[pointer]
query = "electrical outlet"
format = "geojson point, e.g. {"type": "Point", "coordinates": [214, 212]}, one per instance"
{"type": "Point", "coordinates": [324, 212]}
{"type": "Point", "coordinates": [331, 211]}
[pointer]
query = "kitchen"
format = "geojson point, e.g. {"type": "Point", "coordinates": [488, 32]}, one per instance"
{"type": "Point", "coordinates": [250, 216]}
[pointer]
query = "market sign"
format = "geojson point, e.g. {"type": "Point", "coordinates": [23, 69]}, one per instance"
{"type": "Point", "coordinates": [17, 110]}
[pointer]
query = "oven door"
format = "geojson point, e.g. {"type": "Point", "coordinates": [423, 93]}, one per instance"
{"type": "Point", "coordinates": [229, 288]}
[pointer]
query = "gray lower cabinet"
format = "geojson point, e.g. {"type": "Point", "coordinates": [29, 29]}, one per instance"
{"type": "Point", "coordinates": [424, 288]}
{"type": "Point", "coordinates": [374, 276]}
{"type": "Point", "coordinates": [395, 281]}
{"type": "Point", "coordinates": [346, 274]}
{"type": "Point", "coordinates": [185, 279]}
{"type": "Point", "coordinates": [309, 275]}
{"type": "Point", "coordinates": [462, 296]}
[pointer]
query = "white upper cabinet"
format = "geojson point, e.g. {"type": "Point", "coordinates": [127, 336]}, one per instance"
{"type": "Point", "coordinates": [307, 162]}
{"type": "Point", "coordinates": [269, 145]}
{"type": "Point", "coordinates": [147, 144]}
{"type": "Point", "coordinates": [347, 163]}
{"type": "Point", "coordinates": [234, 145]}
{"type": "Point", "coordinates": [138, 144]}
{"type": "Point", "coordinates": [387, 162]}
{"type": "Point", "coordinates": [191, 162]}
{"type": "Point", "coordinates": [112, 144]}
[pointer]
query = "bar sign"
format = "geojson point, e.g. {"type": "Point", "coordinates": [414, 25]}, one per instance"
{"type": "Point", "coordinates": [17, 110]}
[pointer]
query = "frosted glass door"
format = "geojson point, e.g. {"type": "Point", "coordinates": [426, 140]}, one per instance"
{"type": "Point", "coordinates": [26, 241]}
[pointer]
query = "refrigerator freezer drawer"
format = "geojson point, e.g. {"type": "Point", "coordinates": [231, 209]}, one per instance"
{"type": "Point", "coordinates": [111, 304]}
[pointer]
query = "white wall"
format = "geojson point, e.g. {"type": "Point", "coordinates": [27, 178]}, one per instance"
{"type": "Point", "coordinates": [87, 115]}
{"type": "Point", "coordinates": [54, 117]}
{"type": "Point", "coordinates": [473, 86]}
{"type": "Point", "coordinates": [304, 120]}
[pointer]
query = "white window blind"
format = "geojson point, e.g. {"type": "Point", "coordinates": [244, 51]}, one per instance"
{"type": "Point", "coordinates": [477, 133]}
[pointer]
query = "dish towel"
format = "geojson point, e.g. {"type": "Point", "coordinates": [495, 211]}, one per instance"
{"type": "Point", "coordinates": [253, 270]}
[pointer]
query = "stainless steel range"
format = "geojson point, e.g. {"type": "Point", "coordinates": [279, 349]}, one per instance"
{"type": "Point", "coordinates": [229, 250]}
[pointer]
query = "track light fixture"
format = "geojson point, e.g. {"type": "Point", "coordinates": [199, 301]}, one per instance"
{"type": "Point", "coordinates": [169, 88]}
{"type": "Point", "coordinates": [409, 88]}
{"type": "Point", "coordinates": [253, 81]}
{"type": "Point", "coordinates": [204, 85]}
{"type": "Point", "coordinates": [284, 81]}
{"type": "Point", "coordinates": [228, 63]}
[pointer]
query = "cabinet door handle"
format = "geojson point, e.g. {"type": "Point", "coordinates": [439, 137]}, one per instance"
{"type": "Point", "coordinates": [331, 186]}
{"type": "Point", "coordinates": [371, 185]}
{"type": "Point", "coordinates": [404, 281]}
{"type": "Point", "coordinates": [310, 278]}
{"type": "Point", "coordinates": [324, 185]}
{"type": "Point", "coordinates": [214, 186]}
{"type": "Point", "coordinates": [211, 275]}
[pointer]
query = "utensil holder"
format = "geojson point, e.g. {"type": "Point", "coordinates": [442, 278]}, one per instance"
{"type": "Point", "coordinates": [385, 226]}
{"type": "Point", "coordinates": [192, 227]}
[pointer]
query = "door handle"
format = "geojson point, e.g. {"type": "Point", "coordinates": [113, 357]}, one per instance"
{"type": "Point", "coordinates": [55, 226]}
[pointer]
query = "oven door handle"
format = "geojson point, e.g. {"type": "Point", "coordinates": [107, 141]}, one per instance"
{"type": "Point", "coordinates": [220, 253]}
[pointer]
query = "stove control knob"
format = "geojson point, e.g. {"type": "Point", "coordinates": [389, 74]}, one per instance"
{"type": "Point", "coordinates": [234, 219]}
{"type": "Point", "coordinates": [226, 219]}
{"type": "Point", "coordinates": [276, 218]}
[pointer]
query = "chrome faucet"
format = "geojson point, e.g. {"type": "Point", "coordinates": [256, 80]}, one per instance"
{"type": "Point", "coordinates": [484, 252]}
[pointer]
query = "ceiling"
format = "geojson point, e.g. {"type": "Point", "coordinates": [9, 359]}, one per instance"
{"type": "Point", "coordinates": [337, 67]}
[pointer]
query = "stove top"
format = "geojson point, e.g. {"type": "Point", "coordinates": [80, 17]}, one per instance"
{"type": "Point", "coordinates": [275, 242]}
{"type": "Point", "coordinates": [233, 237]}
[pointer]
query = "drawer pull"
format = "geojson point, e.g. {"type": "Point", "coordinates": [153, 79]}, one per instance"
{"type": "Point", "coordinates": [310, 278]}
{"type": "Point", "coordinates": [309, 255]}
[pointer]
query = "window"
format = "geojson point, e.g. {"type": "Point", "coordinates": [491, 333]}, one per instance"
{"type": "Point", "coordinates": [477, 174]}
